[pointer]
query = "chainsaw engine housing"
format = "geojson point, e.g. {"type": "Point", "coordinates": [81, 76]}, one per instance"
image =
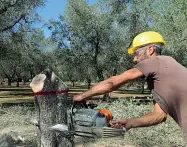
{"type": "Point", "coordinates": [90, 118]}
{"type": "Point", "coordinates": [88, 122]}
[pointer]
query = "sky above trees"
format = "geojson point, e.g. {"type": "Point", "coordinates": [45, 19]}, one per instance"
{"type": "Point", "coordinates": [52, 10]}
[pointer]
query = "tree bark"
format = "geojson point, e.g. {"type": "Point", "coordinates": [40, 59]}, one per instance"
{"type": "Point", "coordinates": [17, 83]}
{"type": "Point", "coordinates": [9, 82]}
{"type": "Point", "coordinates": [106, 97]}
{"type": "Point", "coordinates": [24, 80]}
{"type": "Point", "coordinates": [89, 82]}
{"type": "Point", "coordinates": [73, 83]}
{"type": "Point", "coordinates": [51, 110]}
{"type": "Point", "coordinates": [98, 69]}
{"type": "Point", "coordinates": [142, 86]}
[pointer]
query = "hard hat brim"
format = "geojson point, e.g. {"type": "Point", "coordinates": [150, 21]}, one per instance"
{"type": "Point", "coordinates": [131, 50]}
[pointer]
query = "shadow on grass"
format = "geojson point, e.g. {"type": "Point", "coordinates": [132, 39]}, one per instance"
{"type": "Point", "coordinates": [79, 87]}
{"type": "Point", "coordinates": [16, 94]}
{"type": "Point", "coordinates": [132, 91]}
{"type": "Point", "coordinates": [22, 94]}
{"type": "Point", "coordinates": [15, 89]}
{"type": "Point", "coordinates": [26, 103]}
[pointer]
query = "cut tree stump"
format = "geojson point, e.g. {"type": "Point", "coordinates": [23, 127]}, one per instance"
{"type": "Point", "coordinates": [51, 106]}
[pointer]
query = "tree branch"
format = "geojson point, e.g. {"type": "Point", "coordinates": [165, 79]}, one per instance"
{"type": "Point", "coordinates": [11, 26]}
{"type": "Point", "coordinates": [3, 10]}
{"type": "Point", "coordinates": [18, 20]}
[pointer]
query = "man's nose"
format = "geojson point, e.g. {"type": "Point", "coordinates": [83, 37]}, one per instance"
{"type": "Point", "coordinates": [135, 60]}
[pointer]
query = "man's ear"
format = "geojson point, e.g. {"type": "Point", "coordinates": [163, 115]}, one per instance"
{"type": "Point", "coordinates": [150, 50]}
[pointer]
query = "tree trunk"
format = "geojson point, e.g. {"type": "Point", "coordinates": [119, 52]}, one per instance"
{"type": "Point", "coordinates": [98, 69]}
{"type": "Point", "coordinates": [89, 82]}
{"type": "Point", "coordinates": [17, 83]}
{"type": "Point", "coordinates": [99, 74]}
{"type": "Point", "coordinates": [114, 72]}
{"type": "Point", "coordinates": [24, 82]}
{"type": "Point", "coordinates": [142, 85]}
{"type": "Point", "coordinates": [9, 82]}
{"type": "Point", "coordinates": [106, 97]}
{"type": "Point", "coordinates": [73, 83]}
{"type": "Point", "coordinates": [51, 107]}
{"type": "Point", "coordinates": [3, 80]}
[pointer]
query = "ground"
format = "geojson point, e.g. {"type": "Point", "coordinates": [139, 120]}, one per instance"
{"type": "Point", "coordinates": [15, 120]}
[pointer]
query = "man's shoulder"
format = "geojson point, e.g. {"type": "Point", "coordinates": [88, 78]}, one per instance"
{"type": "Point", "coordinates": [155, 61]}
{"type": "Point", "coordinates": [158, 58]}
{"type": "Point", "coordinates": [152, 64]}
{"type": "Point", "coordinates": [164, 57]}
{"type": "Point", "coordinates": [149, 66]}
{"type": "Point", "coordinates": [150, 60]}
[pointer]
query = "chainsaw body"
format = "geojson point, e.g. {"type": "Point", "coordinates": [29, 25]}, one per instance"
{"type": "Point", "coordinates": [90, 118]}
{"type": "Point", "coordinates": [88, 122]}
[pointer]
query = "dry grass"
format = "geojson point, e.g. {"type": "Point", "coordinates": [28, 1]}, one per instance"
{"type": "Point", "coordinates": [14, 122]}
{"type": "Point", "coordinates": [167, 134]}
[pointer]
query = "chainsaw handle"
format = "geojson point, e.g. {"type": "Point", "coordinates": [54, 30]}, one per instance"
{"type": "Point", "coordinates": [83, 103]}
{"type": "Point", "coordinates": [71, 113]}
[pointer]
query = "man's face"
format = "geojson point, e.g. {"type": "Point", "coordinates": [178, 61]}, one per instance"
{"type": "Point", "coordinates": [140, 55]}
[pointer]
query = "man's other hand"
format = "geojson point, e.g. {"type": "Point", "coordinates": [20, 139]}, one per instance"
{"type": "Point", "coordinates": [121, 123]}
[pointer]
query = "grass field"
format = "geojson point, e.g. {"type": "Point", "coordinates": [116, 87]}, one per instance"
{"type": "Point", "coordinates": [14, 120]}
{"type": "Point", "coordinates": [24, 94]}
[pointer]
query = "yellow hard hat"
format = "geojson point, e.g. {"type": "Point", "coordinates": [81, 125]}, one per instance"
{"type": "Point", "coordinates": [145, 38]}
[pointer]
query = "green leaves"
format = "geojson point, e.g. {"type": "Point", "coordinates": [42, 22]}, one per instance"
{"type": "Point", "coordinates": [169, 18]}
{"type": "Point", "coordinates": [89, 41]}
{"type": "Point", "coordinates": [14, 13]}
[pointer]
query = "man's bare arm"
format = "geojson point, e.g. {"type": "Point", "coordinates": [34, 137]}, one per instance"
{"type": "Point", "coordinates": [111, 84]}
{"type": "Point", "coordinates": [150, 119]}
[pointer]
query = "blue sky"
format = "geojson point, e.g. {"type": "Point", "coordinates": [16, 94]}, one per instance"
{"type": "Point", "coordinates": [52, 10]}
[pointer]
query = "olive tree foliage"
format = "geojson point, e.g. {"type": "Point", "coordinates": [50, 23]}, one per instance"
{"type": "Point", "coordinates": [11, 59]}
{"type": "Point", "coordinates": [91, 29]}
{"type": "Point", "coordinates": [74, 61]}
{"type": "Point", "coordinates": [169, 18]}
{"type": "Point", "coordinates": [93, 40]}
{"type": "Point", "coordinates": [65, 60]}
{"type": "Point", "coordinates": [131, 18]}
{"type": "Point", "coordinates": [17, 39]}
{"type": "Point", "coordinates": [17, 12]}
{"type": "Point", "coordinates": [68, 65]}
{"type": "Point", "coordinates": [22, 57]}
{"type": "Point", "coordinates": [104, 32]}
{"type": "Point", "coordinates": [38, 56]}
{"type": "Point", "coordinates": [16, 15]}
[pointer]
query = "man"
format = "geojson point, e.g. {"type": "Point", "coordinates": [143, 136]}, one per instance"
{"type": "Point", "coordinates": [166, 78]}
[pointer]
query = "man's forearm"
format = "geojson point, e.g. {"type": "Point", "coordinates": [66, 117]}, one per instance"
{"type": "Point", "coordinates": [150, 119]}
{"type": "Point", "coordinates": [112, 83]}
{"type": "Point", "coordinates": [103, 87]}
{"type": "Point", "coordinates": [100, 88]}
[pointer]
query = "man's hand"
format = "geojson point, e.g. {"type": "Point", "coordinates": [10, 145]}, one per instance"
{"type": "Point", "coordinates": [122, 123]}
